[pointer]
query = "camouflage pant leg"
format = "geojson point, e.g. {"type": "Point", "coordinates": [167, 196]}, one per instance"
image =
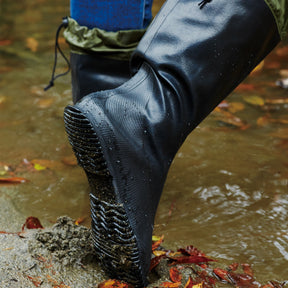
{"type": "Point", "coordinates": [279, 9]}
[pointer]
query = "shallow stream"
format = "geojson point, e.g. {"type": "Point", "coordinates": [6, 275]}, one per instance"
{"type": "Point", "coordinates": [226, 192]}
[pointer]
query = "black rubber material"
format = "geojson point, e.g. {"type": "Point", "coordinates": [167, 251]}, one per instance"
{"type": "Point", "coordinates": [113, 237]}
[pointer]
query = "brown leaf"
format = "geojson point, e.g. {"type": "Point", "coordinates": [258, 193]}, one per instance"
{"type": "Point", "coordinates": [32, 44]}
{"type": "Point", "coordinates": [70, 160]}
{"type": "Point", "coordinates": [233, 266]}
{"type": "Point", "coordinates": [5, 42]}
{"type": "Point", "coordinates": [175, 275]}
{"type": "Point", "coordinates": [243, 87]}
{"type": "Point", "coordinates": [247, 269]}
{"type": "Point", "coordinates": [13, 180]}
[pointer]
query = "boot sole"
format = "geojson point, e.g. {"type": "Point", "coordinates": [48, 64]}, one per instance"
{"type": "Point", "coordinates": [114, 240]}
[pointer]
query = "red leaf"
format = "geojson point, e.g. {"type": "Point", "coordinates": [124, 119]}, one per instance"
{"type": "Point", "coordinates": [191, 251]}
{"type": "Point", "coordinates": [170, 284]}
{"type": "Point", "coordinates": [244, 280]}
{"type": "Point", "coordinates": [247, 269]}
{"type": "Point", "coordinates": [190, 259]}
{"type": "Point", "coordinates": [155, 261]}
{"type": "Point", "coordinates": [189, 283]}
{"type": "Point", "coordinates": [175, 275]}
{"type": "Point", "coordinates": [13, 180]}
{"type": "Point", "coordinates": [32, 223]}
{"type": "Point", "coordinates": [156, 244]}
{"type": "Point", "coordinates": [233, 266]}
{"type": "Point", "coordinates": [221, 273]}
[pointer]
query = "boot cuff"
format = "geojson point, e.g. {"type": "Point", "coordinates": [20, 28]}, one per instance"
{"type": "Point", "coordinates": [117, 45]}
{"type": "Point", "coordinates": [279, 9]}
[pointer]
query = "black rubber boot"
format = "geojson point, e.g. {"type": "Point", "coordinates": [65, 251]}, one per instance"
{"type": "Point", "coordinates": [191, 57]}
{"type": "Point", "coordinates": [92, 72]}
{"type": "Point", "coordinates": [99, 59]}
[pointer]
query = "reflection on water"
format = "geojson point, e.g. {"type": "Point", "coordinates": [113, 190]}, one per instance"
{"type": "Point", "coordinates": [226, 192]}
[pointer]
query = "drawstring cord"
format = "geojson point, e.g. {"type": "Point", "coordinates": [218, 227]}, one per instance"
{"type": "Point", "coordinates": [203, 3]}
{"type": "Point", "coordinates": [57, 47]}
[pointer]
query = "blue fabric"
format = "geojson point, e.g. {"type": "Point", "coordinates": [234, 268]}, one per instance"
{"type": "Point", "coordinates": [112, 15]}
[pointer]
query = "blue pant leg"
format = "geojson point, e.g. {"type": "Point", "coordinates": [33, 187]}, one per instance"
{"type": "Point", "coordinates": [112, 15]}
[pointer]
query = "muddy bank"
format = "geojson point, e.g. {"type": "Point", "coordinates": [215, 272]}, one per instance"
{"type": "Point", "coordinates": [57, 256]}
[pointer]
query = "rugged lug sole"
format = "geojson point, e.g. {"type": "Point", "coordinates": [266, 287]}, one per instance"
{"type": "Point", "coordinates": [113, 238]}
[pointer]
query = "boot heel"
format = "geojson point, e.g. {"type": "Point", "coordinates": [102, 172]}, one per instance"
{"type": "Point", "coordinates": [114, 240]}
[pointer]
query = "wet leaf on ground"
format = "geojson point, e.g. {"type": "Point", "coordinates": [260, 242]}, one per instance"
{"type": "Point", "coordinates": [32, 223]}
{"type": "Point", "coordinates": [13, 180]}
{"type": "Point", "coordinates": [254, 100]}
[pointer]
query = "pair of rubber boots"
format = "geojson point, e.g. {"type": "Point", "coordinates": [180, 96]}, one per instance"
{"type": "Point", "coordinates": [191, 57]}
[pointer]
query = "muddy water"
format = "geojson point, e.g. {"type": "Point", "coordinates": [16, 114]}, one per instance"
{"type": "Point", "coordinates": [226, 192]}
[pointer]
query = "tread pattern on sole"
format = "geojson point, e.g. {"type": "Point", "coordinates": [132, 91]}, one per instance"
{"type": "Point", "coordinates": [114, 240]}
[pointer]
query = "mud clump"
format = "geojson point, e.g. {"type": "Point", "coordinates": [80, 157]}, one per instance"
{"type": "Point", "coordinates": [66, 243]}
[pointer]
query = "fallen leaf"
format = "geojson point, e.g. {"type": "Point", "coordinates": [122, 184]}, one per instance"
{"type": "Point", "coordinates": [191, 251]}
{"type": "Point", "coordinates": [233, 266]}
{"type": "Point", "coordinates": [32, 44]}
{"type": "Point", "coordinates": [244, 87]}
{"type": "Point", "coordinates": [5, 42]}
{"type": "Point", "coordinates": [190, 260]}
{"type": "Point", "coordinates": [13, 180]}
{"type": "Point", "coordinates": [170, 284]}
{"type": "Point", "coordinates": [254, 100]}
{"type": "Point", "coordinates": [51, 164]}
{"type": "Point", "coordinates": [199, 285]}
{"type": "Point", "coordinates": [189, 283]}
{"type": "Point", "coordinates": [111, 283]}
{"type": "Point", "coordinates": [157, 243]}
{"type": "Point", "coordinates": [221, 273]}
{"type": "Point", "coordinates": [247, 269]}
{"type": "Point", "coordinates": [70, 160]}
{"type": "Point", "coordinates": [32, 223]}
{"type": "Point", "coordinates": [80, 220]}
{"type": "Point", "coordinates": [39, 167]}
{"type": "Point", "coordinates": [277, 101]}
{"type": "Point", "coordinates": [175, 275]}
{"type": "Point", "coordinates": [155, 261]}
{"type": "Point", "coordinates": [159, 252]}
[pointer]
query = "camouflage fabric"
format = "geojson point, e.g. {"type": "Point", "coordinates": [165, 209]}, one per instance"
{"type": "Point", "coordinates": [117, 45]}
{"type": "Point", "coordinates": [279, 9]}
